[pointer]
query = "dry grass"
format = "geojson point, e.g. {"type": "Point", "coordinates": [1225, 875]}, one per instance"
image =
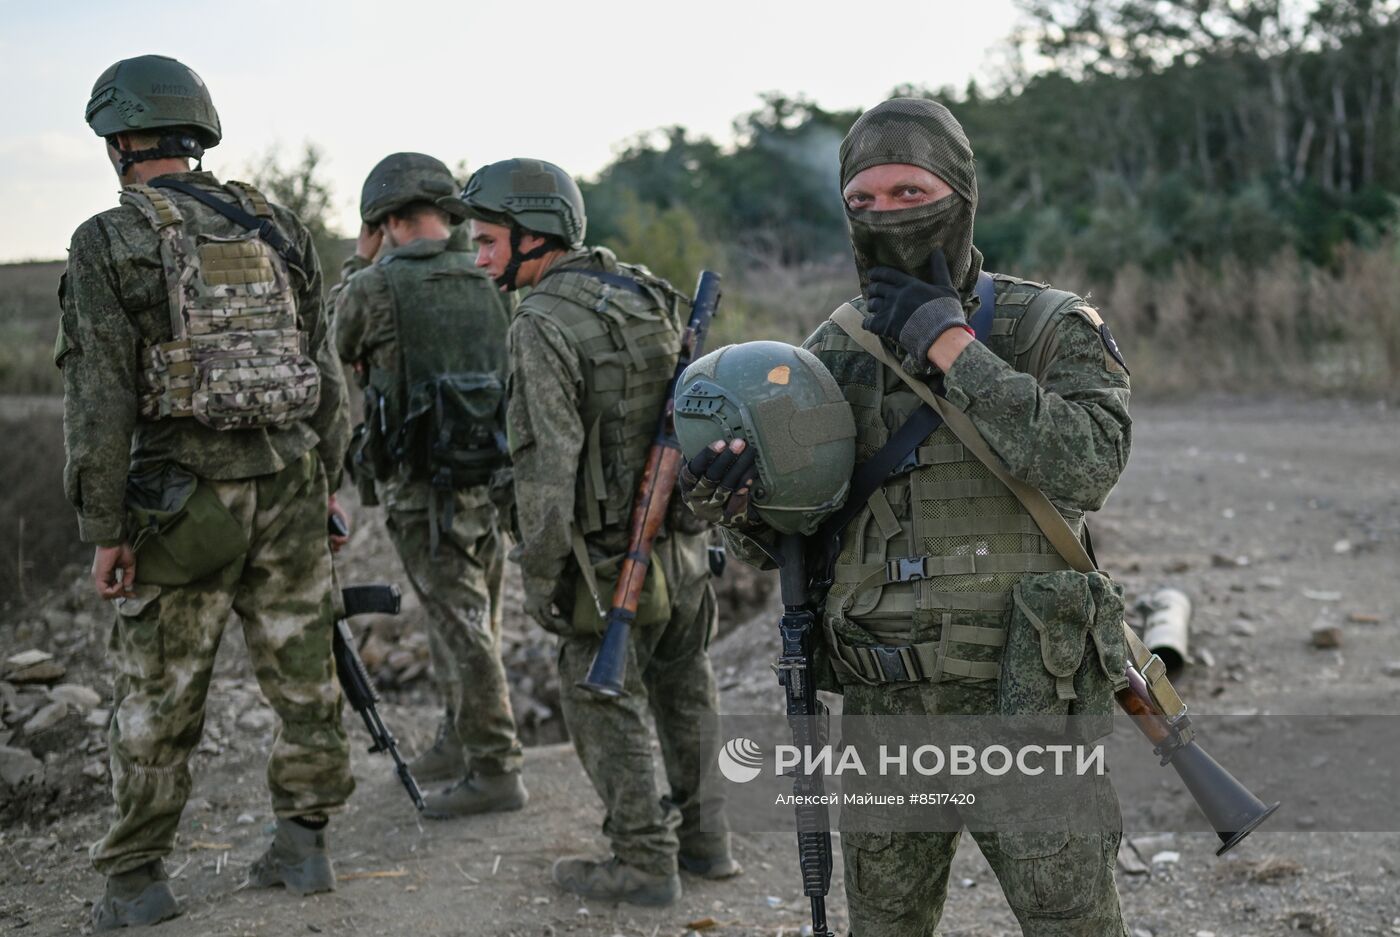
{"type": "Point", "coordinates": [1280, 327]}
{"type": "Point", "coordinates": [1277, 327]}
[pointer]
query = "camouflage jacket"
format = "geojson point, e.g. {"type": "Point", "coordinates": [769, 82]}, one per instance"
{"type": "Point", "coordinates": [365, 335]}
{"type": "Point", "coordinates": [1068, 433]}
{"type": "Point", "coordinates": [554, 381]}
{"type": "Point", "coordinates": [115, 303]}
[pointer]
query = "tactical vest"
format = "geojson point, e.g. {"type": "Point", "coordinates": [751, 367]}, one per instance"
{"type": "Point", "coordinates": [237, 356]}
{"type": "Point", "coordinates": [628, 340]}
{"type": "Point", "coordinates": [922, 587]}
{"type": "Point", "coordinates": [440, 414]}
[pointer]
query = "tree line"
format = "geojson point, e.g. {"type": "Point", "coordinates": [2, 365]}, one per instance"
{"type": "Point", "coordinates": [1125, 132]}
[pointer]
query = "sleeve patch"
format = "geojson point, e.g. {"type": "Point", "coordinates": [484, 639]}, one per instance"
{"type": "Point", "coordinates": [1111, 346]}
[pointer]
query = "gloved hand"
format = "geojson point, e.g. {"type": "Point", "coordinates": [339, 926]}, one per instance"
{"type": "Point", "coordinates": [542, 605]}
{"type": "Point", "coordinates": [913, 312]}
{"type": "Point", "coordinates": [715, 484]}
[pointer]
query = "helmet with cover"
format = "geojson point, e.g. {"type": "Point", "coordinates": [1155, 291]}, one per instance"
{"type": "Point", "coordinates": [401, 179]}
{"type": "Point", "coordinates": [785, 404]}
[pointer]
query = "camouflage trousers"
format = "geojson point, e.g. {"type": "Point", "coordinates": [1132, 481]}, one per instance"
{"type": "Point", "coordinates": [163, 645]}
{"type": "Point", "coordinates": [1058, 884]}
{"type": "Point", "coordinates": [669, 677]}
{"type": "Point", "coordinates": [460, 588]}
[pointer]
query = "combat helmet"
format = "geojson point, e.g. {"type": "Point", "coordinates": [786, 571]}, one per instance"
{"type": "Point", "coordinates": [527, 195]}
{"type": "Point", "coordinates": [535, 195]}
{"type": "Point", "coordinates": [401, 179]}
{"type": "Point", "coordinates": [155, 93]}
{"type": "Point", "coordinates": [785, 404]}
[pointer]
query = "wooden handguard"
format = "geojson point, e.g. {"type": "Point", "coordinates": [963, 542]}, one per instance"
{"type": "Point", "coordinates": [654, 494]}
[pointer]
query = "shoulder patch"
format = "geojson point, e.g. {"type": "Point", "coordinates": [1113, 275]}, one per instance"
{"type": "Point", "coordinates": [1110, 346]}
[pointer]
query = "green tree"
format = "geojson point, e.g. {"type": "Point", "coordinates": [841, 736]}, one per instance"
{"type": "Point", "coordinates": [302, 187]}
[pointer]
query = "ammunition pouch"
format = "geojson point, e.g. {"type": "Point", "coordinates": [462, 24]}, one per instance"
{"type": "Point", "coordinates": [1065, 654]}
{"type": "Point", "coordinates": [451, 432]}
{"type": "Point", "coordinates": [179, 528]}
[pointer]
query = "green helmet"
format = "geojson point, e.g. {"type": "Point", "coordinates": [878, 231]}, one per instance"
{"type": "Point", "coordinates": [400, 179]}
{"type": "Point", "coordinates": [153, 92]}
{"type": "Point", "coordinates": [784, 402]}
{"type": "Point", "coordinates": [528, 193]}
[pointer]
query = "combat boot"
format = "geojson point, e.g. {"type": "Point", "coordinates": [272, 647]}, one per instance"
{"type": "Point", "coordinates": [297, 859]}
{"type": "Point", "coordinates": [477, 793]}
{"type": "Point", "coordinates": [445, 760]}
{"type": "Point", "coordinates": [615, 880]}
{"type": "Point", "coordinates": [707, 855]}
{"type": "Point", "coordinates": [711, 867]}
{"type": "Point", "coordinates": [136, 898]}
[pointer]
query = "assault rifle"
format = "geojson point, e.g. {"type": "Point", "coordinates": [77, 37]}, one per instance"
{"type": "Point", "coordinates": [663, 466]}
{"type": "Point", "coordinates": [806, 718]}
{"type": "Point", "coordinates": [355, 680]}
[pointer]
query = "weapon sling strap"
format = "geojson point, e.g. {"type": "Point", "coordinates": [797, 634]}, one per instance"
{"type": "Point", "coordinates": [264, 226]}
{"type": "Point", "coordinates": [1046, 517]}
{"type": "Point", "coordinates": [922, 423]}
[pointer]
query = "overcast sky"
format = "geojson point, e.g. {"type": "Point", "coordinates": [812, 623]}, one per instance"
{"type": "Point", "coordinates": [470, 81]}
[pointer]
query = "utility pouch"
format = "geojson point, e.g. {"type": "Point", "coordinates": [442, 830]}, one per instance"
{"type": "Point", "coordinates": [452, 428]}
{"type": "Point", "coordinates": [179, 528]}
{"type": "Point", "coordinates": [1047, 667]}
{"type": "Point", "coordinates": [654, 607]}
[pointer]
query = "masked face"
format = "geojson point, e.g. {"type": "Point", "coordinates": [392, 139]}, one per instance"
{"type": "Point", "coordinates": [905, 238]}
{"type": "Point", "coordinates": [907, 137]}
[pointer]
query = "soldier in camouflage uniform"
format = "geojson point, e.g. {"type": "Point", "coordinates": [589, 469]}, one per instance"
{"type": "Point", "coordinates": [592, 348]}
{"type": "Point", "coordinates": [205, 421]}
{"type": "Point", "coordinates": [424, 307]}
{"type": "Point", "coordinates": [937, 570]}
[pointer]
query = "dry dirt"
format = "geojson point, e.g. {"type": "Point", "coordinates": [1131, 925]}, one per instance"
{"type": "Point", "coordinates": [1244, 505]}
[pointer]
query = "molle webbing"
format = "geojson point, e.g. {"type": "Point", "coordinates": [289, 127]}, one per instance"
{"type": "Point", "coordinates": [236, 358]}
{"type": "Point", "coordinates": [627, 343]}
{"type": "Point", "coordinates": [922, 586]}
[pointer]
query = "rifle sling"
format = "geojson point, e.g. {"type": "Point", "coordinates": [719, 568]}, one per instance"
{"type": "Point", "coordinates": [1047, 518]}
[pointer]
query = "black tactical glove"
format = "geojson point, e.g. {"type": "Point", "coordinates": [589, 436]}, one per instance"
{"type": "Point", "coordinates": [715, 486]}
{"type": "Point", "coordinates": [910, 311]}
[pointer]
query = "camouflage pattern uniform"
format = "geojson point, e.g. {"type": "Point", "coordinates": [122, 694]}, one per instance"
{"type": "Point", "coordinates": [274, 483]}
{"type": "Point", "coordinates": [1064, 428]}
{"type": "Point", "coordinates": [459, 584]}
{"type": "Point", "coordinates": [589, 363]}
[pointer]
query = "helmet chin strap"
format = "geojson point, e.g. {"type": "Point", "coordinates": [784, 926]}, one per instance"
{"type": "Point", "coordinates": [170, 145]}
{"type": "Point", "coordinates": [507, 278]}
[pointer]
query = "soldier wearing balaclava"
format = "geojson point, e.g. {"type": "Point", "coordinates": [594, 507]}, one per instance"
{"type": "Point", "coordinates": [944, 597]}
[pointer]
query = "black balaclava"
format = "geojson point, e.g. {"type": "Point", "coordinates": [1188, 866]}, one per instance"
{"type": "Point", "coordinates": [925, 134]}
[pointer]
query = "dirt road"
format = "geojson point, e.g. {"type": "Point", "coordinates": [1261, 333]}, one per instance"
{"type": "Point", "coordinates": [1277, 518]}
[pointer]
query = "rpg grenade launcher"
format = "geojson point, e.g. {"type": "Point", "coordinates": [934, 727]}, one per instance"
{"type": "Point", "coordinates": [608, 671]}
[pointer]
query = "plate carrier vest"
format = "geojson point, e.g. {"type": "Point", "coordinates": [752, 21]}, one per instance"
{"type": "Point", "coordinates": [237, 358]}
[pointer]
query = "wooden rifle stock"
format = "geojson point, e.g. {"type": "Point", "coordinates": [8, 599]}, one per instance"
{"type": "Point", "coordinates": [663, 465]}
{"type": "Point", "coordinates": [653, 497]}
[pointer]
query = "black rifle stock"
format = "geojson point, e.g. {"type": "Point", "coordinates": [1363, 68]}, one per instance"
{"type": "Point", "coordinates": [355, 680]}
{"type": "Point", "coordinates": [663, 465]}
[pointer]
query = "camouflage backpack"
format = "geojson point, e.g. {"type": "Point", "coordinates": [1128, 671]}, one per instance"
{"type": "Point", "coordinates": [237, 357]}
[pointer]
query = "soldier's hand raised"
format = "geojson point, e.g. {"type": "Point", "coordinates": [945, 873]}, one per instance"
{"type": "Point", "coordinates": [911, 311]}
{"type": "Point", "coordinates": [715, 484]}
{"type": "Point", "coordinates": [370, 240]}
